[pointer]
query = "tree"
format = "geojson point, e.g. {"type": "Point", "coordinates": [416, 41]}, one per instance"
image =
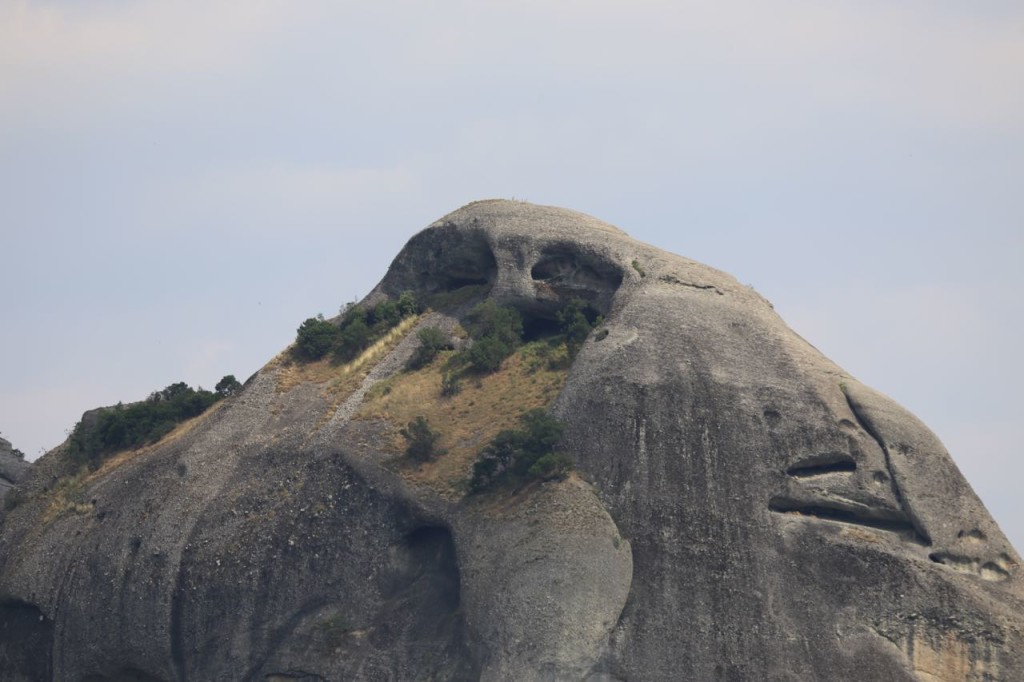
{"type": "Point", "coordinates": [421, 440]}
{"type": "Point", "coordinates": [407, 304]}
{"type": "Point", "coordinates": [315, 338]}
{"type": "Point", "coordinates": [354, 337]}
{"type": "Point", "coordinates": [524, 453]}
{"type": "Point", "coordinates": [574, 325]}
{"type": "Point", "coordinates": [227, 386]}
{"type": "Point", "coordinates": [496, 332]}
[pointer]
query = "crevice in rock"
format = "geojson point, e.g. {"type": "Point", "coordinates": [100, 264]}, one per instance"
{"type": "Point", "coordinates": [124, 675]}
{"type": "Point", "coordinates": [672, 279]}
{"type": "Point", "coordinates": [294, 676]}
{"type": "Point", "coordinates": [825, 463]}
{"type": "Point", "coordinates": [870, 429]}
{"type": "Point", "coordinates": [784, 505]}
{"type": "Point", "coordinates": [989, 570]}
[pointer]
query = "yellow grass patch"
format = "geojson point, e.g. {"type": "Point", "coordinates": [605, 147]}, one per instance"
{"type": "Point", "coordinates": [339, 378]}
{"type": "Point", "coordinates": [468, 420]}
{"type": "Point", "coordinates": [65, 497]}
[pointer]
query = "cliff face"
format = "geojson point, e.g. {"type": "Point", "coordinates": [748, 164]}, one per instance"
{"type": "Point", "coordinates": [12, 467]}
{"type": "Point", "coordinates": [742, 509]}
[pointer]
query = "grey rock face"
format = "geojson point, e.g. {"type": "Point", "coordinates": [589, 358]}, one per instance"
{"type": "Point", "coordinates": [745, 510]}
{"type": "Point", "coordinates": [12, 467]}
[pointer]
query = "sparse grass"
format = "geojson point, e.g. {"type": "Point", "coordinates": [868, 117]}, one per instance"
{"type": "Point", "coordinates": [68, 494]}
{"type": "Point", "coordinates": [66, 497]}
{"type": "Point", "coordinates": [339, 379]}
{"type": "Point", "coordinates": [175, 434]}
{"type": "Point", "coordinates": [468, 420]}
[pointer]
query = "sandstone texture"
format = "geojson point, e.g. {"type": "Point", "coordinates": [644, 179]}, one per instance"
{"type": "Point", "coordinates": [742, 510]}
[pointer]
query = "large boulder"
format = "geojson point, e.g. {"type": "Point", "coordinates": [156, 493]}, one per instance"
{"type": "Point", "coordinates": [742, 508]}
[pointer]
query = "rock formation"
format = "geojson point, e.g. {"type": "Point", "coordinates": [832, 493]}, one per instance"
{"type": "Point", "coordinates": [12, 467]}
{"type": "Point", "coordinates": [742, 508]}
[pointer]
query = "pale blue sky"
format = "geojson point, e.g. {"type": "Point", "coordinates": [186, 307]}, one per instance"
{"type": "Point", "coordinates": [181, 183]}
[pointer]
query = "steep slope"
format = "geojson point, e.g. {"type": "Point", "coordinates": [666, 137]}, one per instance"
{"type": "Point", "coordinates": [742, 509]}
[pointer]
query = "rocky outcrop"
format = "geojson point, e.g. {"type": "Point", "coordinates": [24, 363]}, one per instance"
{"type": "Point", "coordinates": [743, 509]}
{"type": "Point", "coordinates": [12, 467]}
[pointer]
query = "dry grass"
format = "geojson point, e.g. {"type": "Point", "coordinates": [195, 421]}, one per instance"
{"type": "Point", "coordinates": [175, 434]}
{"type": "Point", "coordinates": [65, 497]}
{"type": "Point", "coordinates": [338, 378]}
{"type": "Point", "coordinates": [467, 421]}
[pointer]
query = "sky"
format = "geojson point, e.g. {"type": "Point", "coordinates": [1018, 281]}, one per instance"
{"type": "Point", "coordinates": [182, 183]}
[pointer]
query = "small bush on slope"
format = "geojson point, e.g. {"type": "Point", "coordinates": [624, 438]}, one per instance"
{"type": "Point", "coordinates": [517, 455]}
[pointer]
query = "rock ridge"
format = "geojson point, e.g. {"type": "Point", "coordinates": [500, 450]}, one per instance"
{"type": "Point", "coordinates": [742, 508]}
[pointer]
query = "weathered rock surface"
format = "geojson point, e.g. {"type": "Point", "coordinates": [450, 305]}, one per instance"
{"type": "Point", "coordinates": [744, 510]}
{"type": "Point", "coordinates": [12, 467]}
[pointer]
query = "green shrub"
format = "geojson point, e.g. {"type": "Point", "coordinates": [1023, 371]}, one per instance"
{"type": "Point", "coordinates": [496, 332]}
{"type": "Point", "coordinates": [354, 336]}
{"type": "Point", "coordinates": [487, 354]}
{"type": "Point", "coordinates": [421, 440]}
{"type": "Point", "coordinates": [227, 386]}
{"type": "Point", "coordinates": [358, 329]}
{"type": "Point", "coordinates": [315, 338]}
{"type": "Point", "coordinates": [552, 466]}
{"type": "Point", "coordinates": [518, 455]}
{"type": "Point", "coordinates": [575, 325]}
{"type": "Point", "coordinates": [130, 426]}
{"type": "Point", "coordinates": [432, 341]}
{"type": "Point", "coordinates": [407, 304]}
{"type": "Point", "coordinates": [450, 385]}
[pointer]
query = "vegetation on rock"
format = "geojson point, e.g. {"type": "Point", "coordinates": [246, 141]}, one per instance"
{"type": "Point", "coordinates": [131, 426]}
{"type": "Point", "coordinates": [432, 341]}
{"type": "Point", "coordinates": [518, 455]}
{"type": "Point", "coordinates": [227, 386]}
{"type": "Point", "coordinates": [496, 332]}
{"type": "Point", "coordinates": [358, 329]}
{"type": "Point", "coordinates": [422, 440]}
{"type": "Point", "coordinates": [576, 325]}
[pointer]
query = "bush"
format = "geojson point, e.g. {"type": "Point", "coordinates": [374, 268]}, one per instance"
{"type": "Point", "coordinates": [496, 332]}
{"type": "Point", "coordinates": [315, 338]}
{"type": "Point", "coordinates": [421, 440]}
{"type": "Point", "coordinates": [407, 304]}
{"type": "Point", "coordinates": [552, 466]}
{"type": "Point", "coordinates": [517, 455]}
{"type": "Point", "coordinates": [575, 325]}
{"type": "Point", "coordinates": [131, 426]}
{"type": "Point", "coordinates": [432, 341]}
{"type": "Point", "coordinates": [227, 386]}
{"type": "Point", "coordinates": [354, 336]}
{"type": "Point", "coordinates": [450, 385]}
{"type": "Point", "coordinates": [486, 355]}
{"type": "Point", "coordinates": [358, 329]}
